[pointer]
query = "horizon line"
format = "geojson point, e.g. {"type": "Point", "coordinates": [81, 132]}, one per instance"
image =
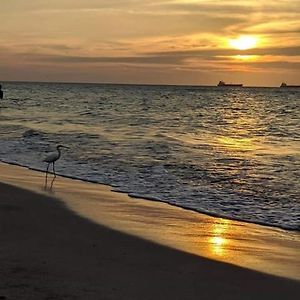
{"type": "Point", "coordinates": [133, 84]}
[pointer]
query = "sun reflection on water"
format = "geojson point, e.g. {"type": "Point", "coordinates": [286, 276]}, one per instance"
{"type": "Point", "coordinates": [235, 143]}
{"type": "Point", "coordinates": [242, 127]}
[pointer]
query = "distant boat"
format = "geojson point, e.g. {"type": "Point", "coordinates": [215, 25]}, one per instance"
{"type": "Point", "coordinates": [222, 83]}
{"type": "Point", "coordinates": [284, 85]}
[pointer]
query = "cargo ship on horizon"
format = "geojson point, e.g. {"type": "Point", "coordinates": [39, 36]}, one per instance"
{"type": "Point", "coordinates": [223, 84]}
{"type": "Point", "coordinates": [284, 85]}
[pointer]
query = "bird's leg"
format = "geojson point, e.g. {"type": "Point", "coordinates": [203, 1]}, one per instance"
{"type": "Point", "coordinates": [54, 175]}
{"type": "Point", "coordinates": [45, 187]}
{"type": "Point", "coordinates": [54, 170]}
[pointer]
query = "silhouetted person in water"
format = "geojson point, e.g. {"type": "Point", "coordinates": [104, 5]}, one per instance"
{"type": "Point", "coordinates": [1, 92]}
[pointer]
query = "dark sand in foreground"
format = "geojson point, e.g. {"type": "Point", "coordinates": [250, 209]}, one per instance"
{"type": "Point", "coordinates": [47, 252]}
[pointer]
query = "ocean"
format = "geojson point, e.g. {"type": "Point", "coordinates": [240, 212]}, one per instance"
{"type": "Point", "coordinates": [229, 152]}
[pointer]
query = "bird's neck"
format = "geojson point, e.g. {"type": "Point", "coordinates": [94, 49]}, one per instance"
{"type": "Point", "coordinates": [59, 152]}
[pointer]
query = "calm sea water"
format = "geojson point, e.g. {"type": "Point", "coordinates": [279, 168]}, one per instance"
{"type": "Point", "coordinates": [227, 152]}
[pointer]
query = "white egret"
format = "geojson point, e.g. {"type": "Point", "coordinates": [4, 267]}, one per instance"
{"type": "Point", "coordinates": [51, 159]}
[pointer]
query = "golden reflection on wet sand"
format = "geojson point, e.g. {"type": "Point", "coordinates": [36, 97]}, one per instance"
{"type": "Point", "coordinates": [218, 240]}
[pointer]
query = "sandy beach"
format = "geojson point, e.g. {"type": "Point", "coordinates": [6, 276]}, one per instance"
{"type": "Point", "coordinates": [52, 249]}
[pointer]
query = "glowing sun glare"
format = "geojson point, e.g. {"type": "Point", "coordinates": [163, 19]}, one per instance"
{"type": "Point", "coordinates": [243, 42]}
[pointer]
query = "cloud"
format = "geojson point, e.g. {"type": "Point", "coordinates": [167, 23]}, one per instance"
{"type": "Point", "coordinates": [277, 65]}
{"type": "Point", "coordinates": [286, 51]}
{"type": "Point", "coordinates": [206, 58]}
{"type": "Point", "coordinates": [105, 59]}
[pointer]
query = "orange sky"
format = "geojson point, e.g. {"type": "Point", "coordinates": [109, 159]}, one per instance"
{"type": "Point", "coordinates": [151, 41]}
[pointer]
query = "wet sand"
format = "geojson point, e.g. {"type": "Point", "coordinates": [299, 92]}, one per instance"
{"type": "Point", "coordinates": [74, 249]}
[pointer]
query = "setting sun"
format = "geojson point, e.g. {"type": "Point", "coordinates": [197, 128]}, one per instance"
{"type": "Point", "coordinates": [243, 42]}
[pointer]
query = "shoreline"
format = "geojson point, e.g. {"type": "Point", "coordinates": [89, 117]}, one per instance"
{"type": "Point", "coordinates": [132, 195]}
{"type": "Point", "coordinates": [251, 246]}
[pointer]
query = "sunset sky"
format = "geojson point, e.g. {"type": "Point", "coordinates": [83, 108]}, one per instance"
{"type": "Point", "coordinates": [256, 42]}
